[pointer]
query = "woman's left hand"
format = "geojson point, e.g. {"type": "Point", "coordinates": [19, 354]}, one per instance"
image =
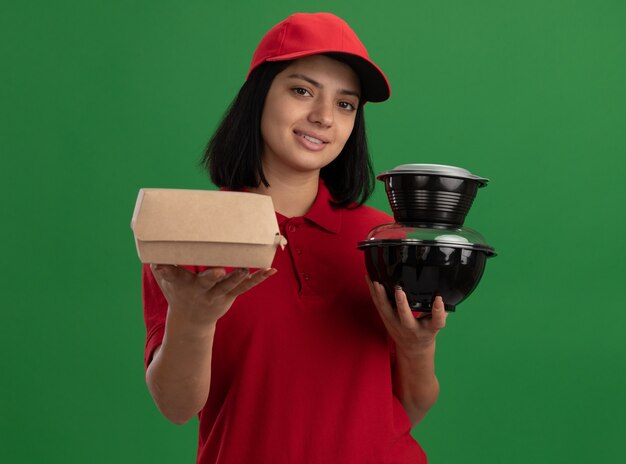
{"type": "Point", "coordinates": [410, 333]}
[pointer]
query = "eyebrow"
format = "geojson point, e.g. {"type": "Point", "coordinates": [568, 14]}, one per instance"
{"type": "Point", "coordinates": [318, 85]}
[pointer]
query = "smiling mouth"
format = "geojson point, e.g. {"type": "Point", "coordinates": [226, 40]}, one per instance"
{"type": "Point", "coordinates": [311, 138]}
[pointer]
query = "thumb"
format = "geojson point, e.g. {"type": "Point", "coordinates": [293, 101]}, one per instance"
{"type": "Point", "coordinates": [167, 272]}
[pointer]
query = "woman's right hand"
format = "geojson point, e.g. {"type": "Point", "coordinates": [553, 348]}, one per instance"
{"type": "Point", "coordinates": [179, 374]}
{"type": "Point", "coordinates": [203, 298]}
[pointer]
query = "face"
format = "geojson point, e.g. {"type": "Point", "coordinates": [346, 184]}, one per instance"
{"type": "Point", "coordinates": [308, 115]}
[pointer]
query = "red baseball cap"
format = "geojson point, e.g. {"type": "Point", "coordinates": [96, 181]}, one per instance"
{"type": "Point", "coordinates": [306, 34]}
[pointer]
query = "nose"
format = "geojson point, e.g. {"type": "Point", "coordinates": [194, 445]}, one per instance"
{"type": "Point", "coordinates": [322, 113]}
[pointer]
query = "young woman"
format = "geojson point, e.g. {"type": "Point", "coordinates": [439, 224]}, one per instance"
{"type": "Point", "coordinates": [305, 362]}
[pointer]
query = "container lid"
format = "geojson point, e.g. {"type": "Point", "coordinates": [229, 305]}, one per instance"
{"type": "Point", "coordinates": [434, 170]}
{"type": "Point", "coordinates": [401, 234]}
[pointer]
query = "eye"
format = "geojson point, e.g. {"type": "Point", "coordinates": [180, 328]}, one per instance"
{"type": "Point", "coordinates": [301, 91]}
{"type": "Point", "coordinates": [346, 105]}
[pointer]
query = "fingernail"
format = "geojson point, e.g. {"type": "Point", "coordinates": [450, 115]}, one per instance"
{"type": "Point", "coordinates": [270, 272]}
{"type": "Point", "coordinates": [397, 287]}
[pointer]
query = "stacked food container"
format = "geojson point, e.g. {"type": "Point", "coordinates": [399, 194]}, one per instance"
{"type": "Point", "coordinates": [427, 251]}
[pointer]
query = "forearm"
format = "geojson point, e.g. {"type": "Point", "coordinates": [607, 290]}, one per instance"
{"type": "Point", "coordinates": [415, 383]}
{"type": "Point", "coordinates": [179, 375]}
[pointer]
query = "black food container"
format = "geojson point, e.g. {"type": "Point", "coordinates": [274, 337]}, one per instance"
{"type": "Point", "coordinates": [428, 252]}
{"type": "Point", "coordinates": [431, 193]}
{"type": "Point", "coordinates": [426, 262]}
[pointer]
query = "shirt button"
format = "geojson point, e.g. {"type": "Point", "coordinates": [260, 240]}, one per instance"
{"type": "Point", "coordinates": [291, 228]}
{"type": "Point", "coordinates": [298, 251]}
{"type": "Point", "coordinates": [306, 277]}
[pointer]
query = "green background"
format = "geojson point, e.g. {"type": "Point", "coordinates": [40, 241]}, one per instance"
{"type": "Point", "coordinates": [99, 99]}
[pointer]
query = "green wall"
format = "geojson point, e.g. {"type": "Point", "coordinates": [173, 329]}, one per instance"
{"type": "Point", "coordinates": [99, 99]}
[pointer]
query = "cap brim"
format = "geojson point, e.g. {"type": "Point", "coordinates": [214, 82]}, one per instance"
{"type": "Point", "coordinates": [374, 84]}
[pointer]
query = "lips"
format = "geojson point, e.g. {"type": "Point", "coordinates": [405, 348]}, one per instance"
{"type": "Point", "coordinates": [312, 137]}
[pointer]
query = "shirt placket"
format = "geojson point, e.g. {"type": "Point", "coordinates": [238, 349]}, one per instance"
{"type": "Point", "coordinates": [296, 232]}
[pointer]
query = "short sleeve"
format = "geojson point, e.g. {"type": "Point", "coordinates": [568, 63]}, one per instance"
{"type": "Point", "coordinates": [154, 312]}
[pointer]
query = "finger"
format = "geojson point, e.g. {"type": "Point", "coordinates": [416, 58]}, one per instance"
{"type": "Point", "coordinates": [252, 281]}
{"type": "Point", "coordinates": [439, 315]}
{"type": "Point", "coordinates": [209, 277]}
{"type": "Point", "coordinates": [372, 289]}
{"type": "Point", "coordinates": [231, 280]}
{"type": "Point", "coordinates": [169, 272]}
{"type": "Point", "coordinates": [404, 310]}
{"type": "Point", "coordinates": [379, 297]}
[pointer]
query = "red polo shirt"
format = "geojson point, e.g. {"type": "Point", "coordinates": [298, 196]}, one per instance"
{"type": "Point", "coordinates": [301, 368]}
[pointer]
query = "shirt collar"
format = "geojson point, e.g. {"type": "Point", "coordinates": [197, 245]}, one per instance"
{"type": "Point", "coordinates": [322, 212]}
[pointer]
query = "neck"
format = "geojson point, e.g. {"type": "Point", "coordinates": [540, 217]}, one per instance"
{"type": "Point", "coordinates": [292, 196]}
